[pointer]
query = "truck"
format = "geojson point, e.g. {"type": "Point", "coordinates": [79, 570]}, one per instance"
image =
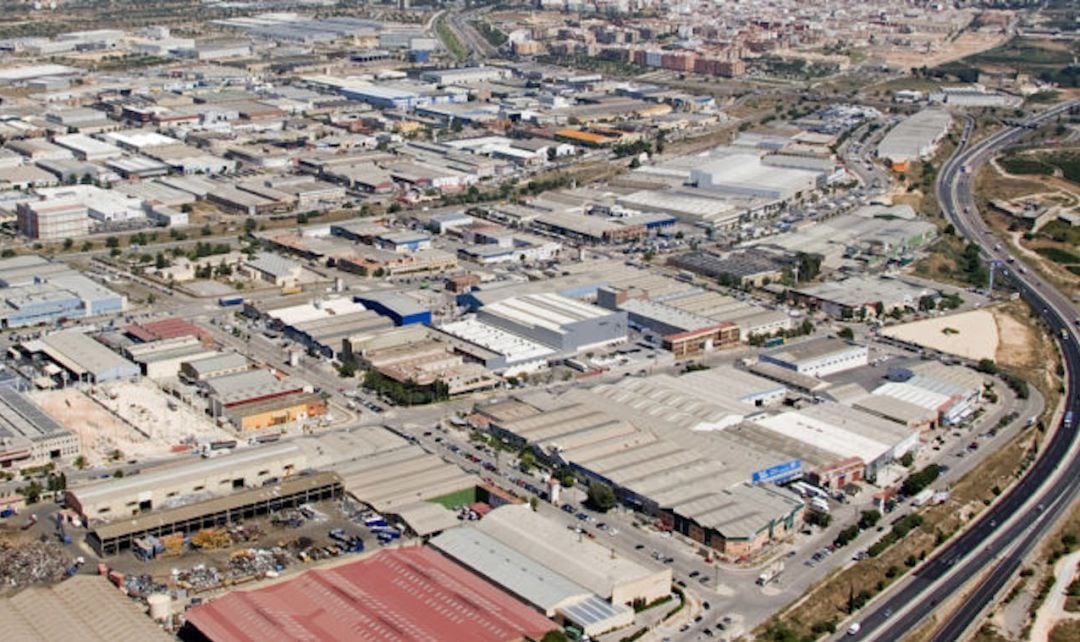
{"type": "Point", "coordinates": [770, 573]}
{"type": "Point", "coordinates": [820, 505]}
{"type": "Point", "coordinates": [923, 497]}
{"type": "Point", "coordinates": [232, 299]}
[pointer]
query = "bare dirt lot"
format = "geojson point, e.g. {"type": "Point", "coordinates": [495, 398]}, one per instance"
{"type": "Point", "coordinates": [968, 43]}
{"type": "Point", "coordinates": [972, 335]}
{"type": "Point", "coordinates": [132, 418]}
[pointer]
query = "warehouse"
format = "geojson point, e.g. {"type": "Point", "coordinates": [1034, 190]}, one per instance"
{"type": "Point", "coordinates": [114, 537]}
{"type": "Point", "coordinates": [566, 325]}
{"type": "Point", "coordinates": [846, 432]}
{"type": "Point", "coordinates": [83, 607]}
{"type": "Point", "coordinates": [867, 237]}
{"type": "Point", "coordinates": [60, 295]}
{"type": "Point", "coordinates": [87, 148]}
{"type": "Point", "coordinates": [818, 357]}
{"type": "Point", "coordinates": [163, 359]}
{"type": "Point", "coordinates": [29, 437]}
{"type": "Point", "coordinates": [953, 393]}
{"type": "Point", "coordinates": [745, 174]}
{"type": "Point", "coordinates": [403, 310]}
{"type": "Point", "coordinates": [750, 318]}
{"type": "Point", "coordinates": [683, 333]}
{"type": "Point", "coordinates": [322, 325]}
{"type": "Point", "coordinates": [509, 569]}
{"type": "Point", "coordinates": [167, 328]}
{"type": "Point", "coordinates": [248, 387]}
{"type": "Point", "coordinates": [272, 269]}
{"type": "Point", "coordinates": [156, 489]}
{"type": "Point", "coordinates": [531, 581]}
{"type": "Point", "coordinates": [84, 358]}
{"type": "Point", "coordinates": [860, 297]}
{"type": "Point", "coordinates": [390, 481]}
{"type": "Point", "coordinates": [581, 560]}
{"type": "Point", "coordinates": [663, 447]}
{"type": "Point", "coordinates": [275, 411]}
{"type": "Point", "coordinates": [402, 595]}
{"type": "Point", "coordinates": [216, 366]}
{"type": "Point", "coordinates": [915, 138]}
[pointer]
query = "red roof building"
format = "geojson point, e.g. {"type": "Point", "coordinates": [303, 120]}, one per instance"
{"type": "Point", "coordinates": [409, 595]}
{"type": "Point", "coordinates": [171, 328]}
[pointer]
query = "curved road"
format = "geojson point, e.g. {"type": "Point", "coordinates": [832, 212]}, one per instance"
{"type": "Point", "coordinates": [1002, 535]}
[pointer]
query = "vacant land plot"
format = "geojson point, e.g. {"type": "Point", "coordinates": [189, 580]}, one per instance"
{"type": "Point", "coordinates": [133, 419]}
{"type": "Point", "coordinates": [166, 422]}
{"type": "Point", "coordinates": [972, 335]}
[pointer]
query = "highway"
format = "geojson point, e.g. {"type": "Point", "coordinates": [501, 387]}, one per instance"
{"type": "Point", "coordinates": [996, 544]}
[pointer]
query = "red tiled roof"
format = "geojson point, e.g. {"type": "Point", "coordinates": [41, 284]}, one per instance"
{"type": "Point", "coordinates": [409, 594]}
{"type": "Point", "coordinates": [166, 329]}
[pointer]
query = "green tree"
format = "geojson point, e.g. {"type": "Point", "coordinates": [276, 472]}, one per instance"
{"type": "Point", "coordinates": [846, 333]}
{"type": "Point", "coordinates": [250, 224]}
{"type": "Point", "coordinates": [69, 243]}
{"type": "Point", "coordinates": [601, 497]}
{"type": "Point", "coordinates": [112, 242]}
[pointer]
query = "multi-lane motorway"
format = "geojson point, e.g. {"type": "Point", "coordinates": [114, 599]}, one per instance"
{"type": "Point", "coordinates": [994, 547]}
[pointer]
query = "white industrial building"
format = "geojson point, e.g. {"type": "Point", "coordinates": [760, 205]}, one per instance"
{"type": "Point", "coordinates": [952, 393]}
{"type": "Point", "coordinates": [163, 359]}
{"type": "Point", "coordinates": [745, 174]}
{"type": "Point", "coordinates": [818, 357]}
{"type": "Point", "coordinates": [916, 137]}
{"type": "Point", "coordinates": [87, 148]}
{"type": "Point", "coordinates": [845, 432]}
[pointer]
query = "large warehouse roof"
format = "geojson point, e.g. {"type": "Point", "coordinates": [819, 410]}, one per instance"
{"type": "Point", "coordinates": [550, 311]}
{"type": "Point", "coordinates": [578, 559]}
{"type": "Point", "coordinates": [82, 355]}
{"type": "Point", "coordinates": [524, 577]}
{"type": "Point", "coordinates": [398, 478]}
{"type": "Point", "coordinates": [81, 608]}
{"type": "Point", "coordinates": [403, 595]}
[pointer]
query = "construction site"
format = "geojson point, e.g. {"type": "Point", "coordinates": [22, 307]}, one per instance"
{"type": "Point", "coordinates": [123, 420]}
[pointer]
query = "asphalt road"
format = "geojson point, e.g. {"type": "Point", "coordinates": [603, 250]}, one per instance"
{"type": "Point", "coordinates": [1001, 537]}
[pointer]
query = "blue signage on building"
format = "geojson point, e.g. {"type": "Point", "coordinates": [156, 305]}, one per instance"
{"type": "Point", "coordinates": [778, 473]}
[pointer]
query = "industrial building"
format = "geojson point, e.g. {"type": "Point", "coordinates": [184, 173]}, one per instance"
{"type": "Point", "coordinates": [818, 357]}
{"type": "Point", "coordinates": [914, 138]}
{"type": "Point", "coordinates": [402, 309]}
{"type": "Point", "coordinates": [111, 538]}
{"type": "Point", "coordinates": [581, 560]}
{"type": "Point", "coordinates": [321, 325]}
{"type": "Point", "coordinates": [164, 358]}
{"type": "Point", "coordinates": [83, 607]}
{"type": "Point", "coordinates": [152, 490]}
{"type": "Point", "coordinates": [747, 174]}
{"type": "Point", "coordinates": [53, 292]}
{"type": "Point", "coordinates": [272, 269]}
{"type": "Point", "coordinates": [412, 594]}
{"type": "Point", "coordinates": [29, 437]}
{"type": "Point", "coordinates": [83, 358]}
{"type": "Point", "coordinates": [220, 365]}
{"type": "Point", "coordinates": [952, 394]}
{"type": "Point", "coordinates": [845, 432]}
{"type": "Point", "coordinates": [532, 581]}
{"type": "Point", "coordinates": [415, 355]}
{"type": "Point", "coordinates": [870, 236]}
{"type": "Point", "coordinates": [664, 447]}
{"type": "Point", "coordinates": [53, 219]}
{"type": "Point", "coordinates": [683, 333]}
{"type": "Point", "coordinates": [522, 333]}
{"type": "Point", "coordinates": [566, 325]}
{"type": "Point", "coordinates": [257, 399]}
{"type": "Point", "coordinates": [859, 297]}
